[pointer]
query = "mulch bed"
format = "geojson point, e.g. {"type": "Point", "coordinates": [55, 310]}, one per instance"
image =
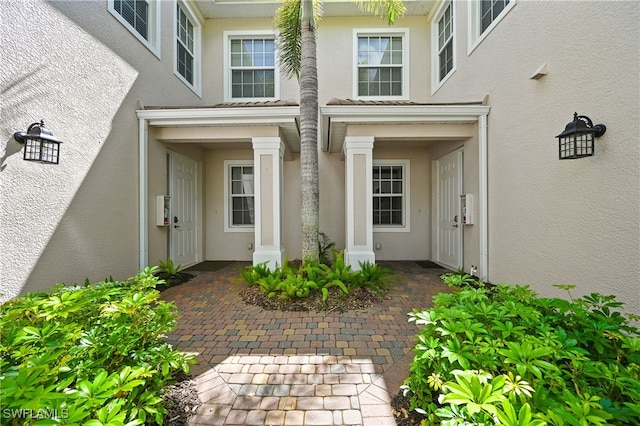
{"type": "Point", "coordinates": [403, 415]}
{"type": "Point", "coordinates": [181, 401]}
{"type": "Point", "coordinates": [360, 298]}
{"type": "Point", "coordinates": [173, 280]}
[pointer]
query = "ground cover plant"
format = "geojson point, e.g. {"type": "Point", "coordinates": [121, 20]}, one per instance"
{"type": "Point", "coordinates": [502, 355]}
{"type": "Point", "coordinates": [91, 355]}
{"type": "Point", "coordinates": [313, 285]}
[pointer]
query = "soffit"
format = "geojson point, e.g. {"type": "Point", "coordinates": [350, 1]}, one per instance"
{"type": "Point", "coordinates": [401, 124]}
{"type": "Point", "coordinates": [230, 9]}
{"type": "Point", "coordinates": [222, 126]}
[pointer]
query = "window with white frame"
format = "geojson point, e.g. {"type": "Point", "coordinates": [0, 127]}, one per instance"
{"type": "Point", "coordinates": [485, 15]}
{"type": "Point", "coordinates": [390, 194]}
{"type": "Point", "coordinates": [239, 188]}
{"type": "Point", "coordinates": [445, 43]}
{"type": "Point", "coordinates": [251, 67]}
{"type": "Point", "coordinates": [381, 64]}
{"type": "Point", "coordinates": [141, 17]}
{"type": "Point", "coordinates": [188, 36]}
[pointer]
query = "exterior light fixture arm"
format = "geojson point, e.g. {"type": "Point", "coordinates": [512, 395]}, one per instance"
{"type": "Point", "coordinates": [599, 129]}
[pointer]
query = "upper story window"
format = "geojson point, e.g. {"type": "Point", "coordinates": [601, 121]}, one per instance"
{"type": "Point", "coordinates": [381, 64]}
{"type": "Point", "coordinates": [251, 67]}
{"type": "Point", "coordinates": [443, 43]}
{"type": "Point", "coordinates": [188, 39]}
{"type": "Point", "coordinates": [142, 18]}
{"type": "Point", "coordinates": [239, 199]}
{"type": "Point", "coordinates": [484, 16]}
{"type": "Point", "coordinates": [390, 195]}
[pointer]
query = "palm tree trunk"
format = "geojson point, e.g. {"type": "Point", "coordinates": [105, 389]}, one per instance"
{"type": "Point", "coordinates": [309, 135]}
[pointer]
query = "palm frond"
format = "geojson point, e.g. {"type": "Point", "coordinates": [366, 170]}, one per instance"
{"type": "Point", "coordinates": [387, 9]}
{"type": "Point", "coordinates": [288, 41]}
{"type": "Point", "coordinates": [288, 21]}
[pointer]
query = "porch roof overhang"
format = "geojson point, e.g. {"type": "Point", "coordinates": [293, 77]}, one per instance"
{"type": "Point", "coordinates": [235, 123]}
{"type": "Point", "coordinates": [409, 121]}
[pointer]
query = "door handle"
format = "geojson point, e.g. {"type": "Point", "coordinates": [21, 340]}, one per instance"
{"type": "Point", "coordinates": [455, 226]}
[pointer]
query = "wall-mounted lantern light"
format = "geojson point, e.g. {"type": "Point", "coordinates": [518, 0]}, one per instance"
{"type": "Point", "coordinates": [39, 144]}
{"type": "Point", "coordinates": [577, 139]}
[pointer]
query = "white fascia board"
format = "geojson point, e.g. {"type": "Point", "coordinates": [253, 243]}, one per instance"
{"type": "Point", "coordinates": [219, 116]}
{"type": "Point", "coordinates": [403, 113]}
{"type": "Point", "coordinates": [394, 114]}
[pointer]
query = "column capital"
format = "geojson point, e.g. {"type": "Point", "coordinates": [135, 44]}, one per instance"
{"type": "Point", "coordinates": [358, 142]}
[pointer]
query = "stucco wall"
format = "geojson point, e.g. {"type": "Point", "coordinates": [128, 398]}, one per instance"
{"type": "Point", "coordinates": [213, 63]}
{"type": "Point", "coordinates": [412, 244]}
{"type": "Point", "coordinates": [554, 221]}
{"type": "Point", "coordinates": [75, 66]}
{"type": "Point", "coordinates": [335, 50]}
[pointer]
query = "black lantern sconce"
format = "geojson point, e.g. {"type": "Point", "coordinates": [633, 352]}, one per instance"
{"type": "Point", "coordinates": [39, 144]}
{"type": "Point", "coordinates": [577, 139]}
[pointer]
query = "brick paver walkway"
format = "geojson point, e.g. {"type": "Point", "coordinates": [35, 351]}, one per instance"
{"type": "Point", "coordinates": [259, 367]}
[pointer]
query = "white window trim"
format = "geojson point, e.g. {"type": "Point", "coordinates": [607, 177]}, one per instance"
{"type": "Point", "coordinates": [153, 44]}
{"type": "Point", "coordinates": [435, 60]}
{"type": "Point", "coordinates": [404, 32]}
{"type": "Point", "coordinates": [227, 36]}
{"type": "Point", "coordinates": [475, 38]}
{"type": "Point", "coordinates": [406, 199]}
{"type": "Point", "coordinates": [197, 21]}
{"type": "Point", "coordinates": [227, 196]}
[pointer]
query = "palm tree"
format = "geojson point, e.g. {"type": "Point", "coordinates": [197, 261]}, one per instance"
{"type": "Point", "coordinates": [296, 45]}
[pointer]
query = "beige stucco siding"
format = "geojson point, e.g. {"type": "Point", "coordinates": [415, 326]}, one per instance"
{"type": "Point", "coordinates": [213, 63]}
{"type": "Point", "coordinates": [554, 221]}
{"type": "Point", "coordinates": [410, 243]}
{"type": "Point", "coordinates": [335, 43]}
{"type": "Point", "coordinates": [75, 66]}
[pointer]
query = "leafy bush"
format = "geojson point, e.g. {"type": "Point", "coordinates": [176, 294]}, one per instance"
{"type": "Point", "coordinates": [326, 248]}
{"type": "Point", "coordinates": [168, 268]}
{"type": "Point", "coordinates": [287, 282]}
{"type": "Point", "coordinates": [92, 355]}
{"type": "Point", "coordinates": [500, 354]}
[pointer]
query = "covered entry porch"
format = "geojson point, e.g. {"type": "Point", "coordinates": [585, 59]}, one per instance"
{"type": "Point", "coordinates": [404, 177]}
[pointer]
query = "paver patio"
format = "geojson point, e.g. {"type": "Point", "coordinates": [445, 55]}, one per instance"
{"type": "Point", "coordinates": [261, 367]}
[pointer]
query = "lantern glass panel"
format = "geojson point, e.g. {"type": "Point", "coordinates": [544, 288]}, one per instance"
{"type": "Point", "coordinates": [576, 146]}
{"type": "Point", "coordinates": [42, 150]}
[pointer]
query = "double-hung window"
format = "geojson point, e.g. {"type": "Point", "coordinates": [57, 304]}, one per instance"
{"type": "Point", "coordinates": [485, 15]}
{"type": "Point", "coordinates": [187, 53]}
{"type": "Point", "coordinates": [251, 67]}
{"type": "Point", "coordinates": [381, 64]}
{"type": "Point", "coordinates": [239, 189]}
{"type": "Point", "coordinates": [390, 195]}
{"type": "Point", "coordinates": [443, 33]}
{"type": "Point", "coordinates": [141, 17]}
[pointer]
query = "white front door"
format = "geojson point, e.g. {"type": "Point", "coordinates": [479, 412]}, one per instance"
{"type": "Point", "coordinates": [448, 223]}
{"type": "Point", "coordinates": [183, 242]}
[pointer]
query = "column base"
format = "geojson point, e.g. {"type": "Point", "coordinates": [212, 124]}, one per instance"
{"type": "Point", "coordinates": [273, 257]}
{"type": "Point", "coordinates": [354, 258]}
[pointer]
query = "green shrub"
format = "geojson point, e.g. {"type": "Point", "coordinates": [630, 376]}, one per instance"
{"type": "Point", "coordinates": [500, 353]}
{"type": "Point", "coordinates": [168, 268]}
{"type": "Point", "coordinates": [287, 282]}
{"type": "Point", "coordinates": [92, 355]}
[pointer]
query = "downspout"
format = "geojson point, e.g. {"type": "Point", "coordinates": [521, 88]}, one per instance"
{"type": "Point", "coordinates": [143, 135]}
{"type": "Point", "coordinates": [483, 207]}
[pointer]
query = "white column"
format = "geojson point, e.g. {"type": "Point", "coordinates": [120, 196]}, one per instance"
{"type": "Point", "coordinates": [358, 153]}
{"type": "Point", "coordinates": [143, 193]}
{"type": "Point", "coordinates": [268, 153]}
